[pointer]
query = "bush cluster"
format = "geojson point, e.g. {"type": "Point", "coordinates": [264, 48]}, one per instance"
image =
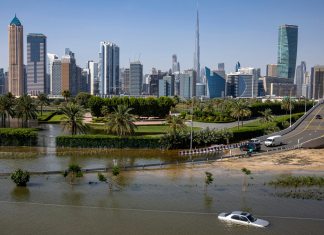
{"type": "Point", "coordinates": [18, 137]}
{"type": "Point", "coordinates": [106, 141]}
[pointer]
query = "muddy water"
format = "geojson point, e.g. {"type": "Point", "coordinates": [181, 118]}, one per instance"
{"type": "Point", "coordinates": [151, 202]}
{"type": "Point", "coordinates": [46, 157]}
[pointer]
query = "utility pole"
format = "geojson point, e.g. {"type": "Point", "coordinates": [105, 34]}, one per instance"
{"type": "Point", "coordinates": [192, 100]}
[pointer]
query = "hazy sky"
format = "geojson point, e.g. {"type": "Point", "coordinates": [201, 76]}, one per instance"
{"type": "Point", "coordinates": [152, 30]}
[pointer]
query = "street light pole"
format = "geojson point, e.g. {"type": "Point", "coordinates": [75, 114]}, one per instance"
{"type": "Point", "coordinates": [290, 108]}
{"type": "Point", "coordinates": [191, 123]}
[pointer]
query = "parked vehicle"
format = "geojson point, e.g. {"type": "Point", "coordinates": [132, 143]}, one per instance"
{"type": "Point", "coordinates": [273, 141]}
{"type": "Point", "coordinates": [251, 147]}
{"type": "Point", "coordinates": [243, 218]}
{"type": "Point", "coordinates": [257, 143]}
{"type": "Point", "coordinates": [318, 116]}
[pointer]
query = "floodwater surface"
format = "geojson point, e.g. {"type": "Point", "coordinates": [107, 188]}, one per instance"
{"type": "Point", "coordinates": [172, 201]}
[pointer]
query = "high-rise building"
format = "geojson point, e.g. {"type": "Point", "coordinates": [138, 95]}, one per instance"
{"type": "Point", "coordinates": [287, 51]}
{"type": "Point", "coordinates": [175, 64]}
{"type": "Point", "coordinates": [94, 80]}
{"type": "Point", "coordinates": [36, 64]}
{"type": "Point", "coordinates": [166, 86]}
{"type": "Point", "coordinates": [317, 82]}
{"type": "Point", "coordinates": [108, 69]}
{"type": "Point", "coordinates": [56, 78]}
{"type": "Point", "coordinates": [215, 84]}
{"type": "Point", "coordinates": [16, 83]}
{"type": "Point", "coordinates": [241, 85]}
{"type": "Point", "coordinates": [256, 74]}
{"type": "Point", "coordinates": [50, 60]}
{"type": "Point", "coordinates": [2, 82]}
{"type": "Point", "coordinates": [69, 73]}
{"type": "Point", "coordinates": [197, 50]}
{"type": "Point", "coordinates": [135, 78]}
{"type": "Point", "coordinates": [237, 66]}
{"type": "Point", "coordinates": [272, 70]}
{"type": "Point", "coordinates": [300, 78]}
{"type": "Point", "coordinates": [221, 67]}
{"type": "Point", "coordinates": [188, 84]}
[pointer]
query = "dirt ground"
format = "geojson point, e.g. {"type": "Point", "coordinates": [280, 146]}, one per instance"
{"type": "Point", "coordinates": [300, 159]}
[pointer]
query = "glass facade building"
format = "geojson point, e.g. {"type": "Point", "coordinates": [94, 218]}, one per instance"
{"type": "Point", "coordinates": [36, 64]}
{"type": "Point", "coordinates": [240, 85]}
{"type": "Point", "coordinates": [215, 84]}
{"type": "Point", "coordinates": [287, 51]}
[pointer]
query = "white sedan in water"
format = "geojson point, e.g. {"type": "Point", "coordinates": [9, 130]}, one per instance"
{"type": "Point", "coordinates": [245, 218]}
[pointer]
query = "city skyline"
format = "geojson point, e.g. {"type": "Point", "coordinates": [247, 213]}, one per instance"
{"type": "Point", "coordinates": [218, 43]}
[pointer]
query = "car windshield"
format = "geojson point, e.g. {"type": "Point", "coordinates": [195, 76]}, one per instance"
{"type": "Point", "coordinates": [269, 139]}
{"type": "Point", "coordinates": [251, 218]}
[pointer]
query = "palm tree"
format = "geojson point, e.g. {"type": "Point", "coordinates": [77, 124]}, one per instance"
{"type": "Point", "coordinates": [286, 103]}
{"type": "Point", "coordinates": [26, 109]}
{"type": "Point", "coordinates": [6, 109]}
{"type": "Point", "coordinates": [266, 116]}
{"type": "Point", "coordinates": [121, 122]}
{"type": "Point", "coordinates": [240, 109]}
{"type": "Point", "coordinates": [42, 100]}
{"type": "Point", "coordinates": [66, 94]}
{"type": "Point", "coordinates": [226, 134]}
{"type": "Point", "coordinates": [73, 119]}
{"type": "Point", "coordinates": [246, 172]}
{"type": "Point", "coordinates": [175, 123]}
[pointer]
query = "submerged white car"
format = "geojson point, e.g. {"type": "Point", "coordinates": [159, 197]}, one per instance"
{"type": "Point", "coordinates": [244, 218]}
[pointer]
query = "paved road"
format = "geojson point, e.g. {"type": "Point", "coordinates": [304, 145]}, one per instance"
{"type": "Point", "coordinates": [311, 128]}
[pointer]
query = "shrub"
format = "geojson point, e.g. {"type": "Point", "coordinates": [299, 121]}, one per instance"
{"type": "Point", "coordinates": [101, 177]}
{"type": "Point", "coordinates": [18, 136]}
{"type": "Point", "coordinates": [107, 141]}
{"type": "Point", "coordinates": [20, 177]}
{"type": "Point", "coordinates": [115, 171]}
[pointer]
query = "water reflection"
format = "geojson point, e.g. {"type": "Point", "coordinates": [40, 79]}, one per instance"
{"type": "Point", "coordinates": [20, 193]}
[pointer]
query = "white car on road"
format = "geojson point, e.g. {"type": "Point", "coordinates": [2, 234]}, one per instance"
{"type": "Point", "coordinates": [244, 218]}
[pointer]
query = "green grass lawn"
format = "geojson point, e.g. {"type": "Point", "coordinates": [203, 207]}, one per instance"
{"type": "Point", "coordinates": [149, 130]}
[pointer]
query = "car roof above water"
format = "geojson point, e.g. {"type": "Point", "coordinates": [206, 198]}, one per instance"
{"type": "Point", "coordinates": [240, 213]}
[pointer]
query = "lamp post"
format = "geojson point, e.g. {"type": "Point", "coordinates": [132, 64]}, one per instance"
{"type": "Point", "coordinates": [191, 127]}
{"type": "Point", "coordinates": [290, 109]}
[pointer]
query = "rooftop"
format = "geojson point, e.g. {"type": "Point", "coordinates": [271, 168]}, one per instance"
{"type": "Point", "coordinates": [15, 21]}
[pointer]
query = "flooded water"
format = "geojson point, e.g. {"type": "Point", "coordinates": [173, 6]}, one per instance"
{"type": "Point", "coordinates": [159, 201]}
{"type": "Point", "coordinates": [152, 202]}
{"type": "Point", "coordinates": [46, 157]}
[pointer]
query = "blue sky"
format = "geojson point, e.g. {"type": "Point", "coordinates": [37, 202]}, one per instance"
{"type": "Point", "coordinates": [152, 30]}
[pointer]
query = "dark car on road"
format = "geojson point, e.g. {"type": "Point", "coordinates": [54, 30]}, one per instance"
{"type": "Point", "coordinates": [249, 147]}
{"type": "Point", "coordinates": [318, 116]}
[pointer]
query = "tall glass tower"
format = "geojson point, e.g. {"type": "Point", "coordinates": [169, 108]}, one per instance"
{"type": "Point", "coordinates": [287, 51]}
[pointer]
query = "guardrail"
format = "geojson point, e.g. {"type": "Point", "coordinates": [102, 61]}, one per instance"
{"type": "Point", "coordinates": [212, 149]}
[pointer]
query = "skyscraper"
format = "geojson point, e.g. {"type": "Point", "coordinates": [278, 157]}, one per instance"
{"type": "Point", "coordinates": [175, 64]}
{"type": "Point", "coordinates": [317, 82]}
{"type": "Point", "coordinates": [197, 50]}
{"type": "Point", "coordinates": [237, 66]}
{"type": "Point", "coordinates": [56, 77]}
{"type": "Point", "coordinates": [135, 78]}
{"type": "Point", "coordinates": [108, 69]}
{"type": "Point", "coordinates": [50, 60]}
{"type": "Point", "coordinates": [94, 81]}
{"type": "Point", "coordinates": [16, 58]}
{"type": "Point", "coordinates": [69, 73]}
{"type": "Point", "coordinates": [221, 67]}
{"type": "Point", "coordinates": [215, 84]}
{"type": "Point", "coordinates": [2, 82]}
{"type": "Point", "coordinates": [272, 70]}
{"type": "Point", "coordinates": [300, 78]}
{"type": "Point", "coordinates": [287, 51]}
{"type": "Point", "coordinates": [36, 64]}
{"type": "Point", "coordinates": [166, 86]}
{"type": "Point", "coordinates": [188, 84]}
